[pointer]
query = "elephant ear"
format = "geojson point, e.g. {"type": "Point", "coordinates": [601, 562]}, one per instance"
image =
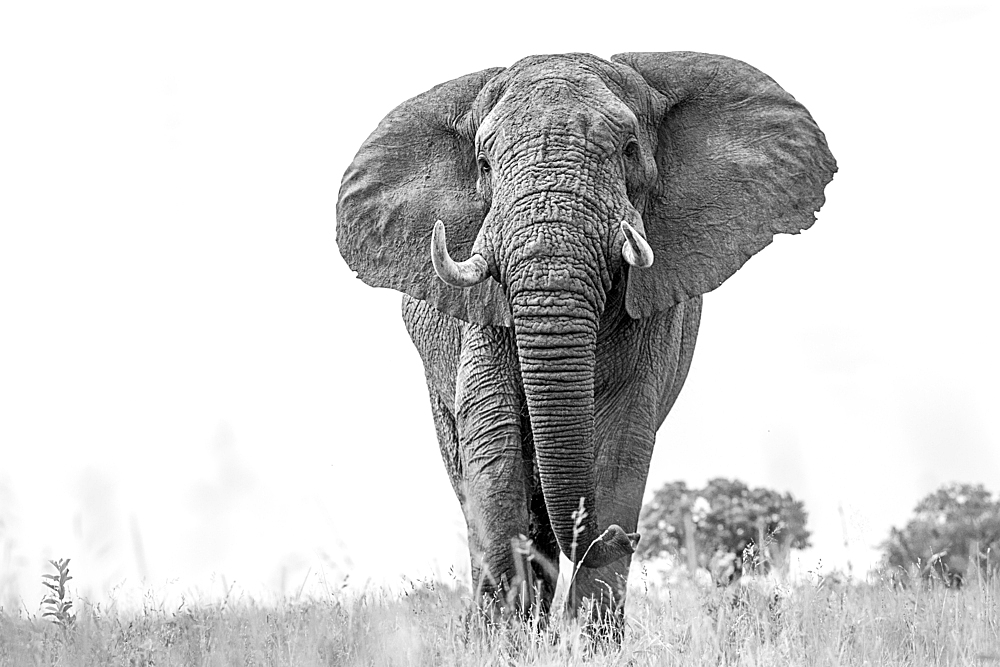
{"type": "Point", "coordinates": [739, 161]}
{"type": "Point", "coordinates": [417, 167]}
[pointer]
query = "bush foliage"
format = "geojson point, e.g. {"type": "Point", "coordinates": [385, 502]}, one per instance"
{"type": "Point", "coordinates": [954, 529]}
{"type": "Point", "coordinates": [728, 519]}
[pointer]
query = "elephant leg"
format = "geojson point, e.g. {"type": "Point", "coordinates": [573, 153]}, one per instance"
{"type": "Point", "coordinates": [483, 569]}
{"type": "Point", "coordinates": [601, 592]}
{"type": "Point", "coordinates": [488, 403]}
{"type": "Point", "coordinates": [623, 459]}
{"type": "Point", "coordinates": [632, 403]}
{"type": "Point", "coordinates": [447, 433]}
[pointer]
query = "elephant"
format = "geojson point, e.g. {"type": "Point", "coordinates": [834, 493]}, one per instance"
{"type": "Point", "coordinates": [553, 226]}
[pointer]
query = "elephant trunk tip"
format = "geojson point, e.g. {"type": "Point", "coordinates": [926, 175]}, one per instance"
{"type": "Point", "coordinates": [612, 544]}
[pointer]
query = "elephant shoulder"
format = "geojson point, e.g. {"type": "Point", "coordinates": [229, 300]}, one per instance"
{"type": "Point", "coordinates": [677, 326]}
{"type": "Point", "coordinates": [678, 332]}
{"type": "Point", "coordinates": [428, 326]}
{"type": "Point", "coordinates": [438, 339]}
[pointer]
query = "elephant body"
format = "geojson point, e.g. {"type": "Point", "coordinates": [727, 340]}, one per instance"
{"type": "Point", "coordinates": [595, 202]}
{"type": "Point", "coordinates": [641, 366]}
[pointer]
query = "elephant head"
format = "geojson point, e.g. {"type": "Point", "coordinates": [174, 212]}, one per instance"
{"type": "Point", "coordinates": [560, 180]}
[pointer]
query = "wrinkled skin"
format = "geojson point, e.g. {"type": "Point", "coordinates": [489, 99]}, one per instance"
{"type": "Point", "coordinates": [552, 367]}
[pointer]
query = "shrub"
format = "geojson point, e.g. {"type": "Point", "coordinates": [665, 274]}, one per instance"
{"type": "Point", "coordinates": [954, 529]}
{"type": "Point", "coordinates": [721, 522]}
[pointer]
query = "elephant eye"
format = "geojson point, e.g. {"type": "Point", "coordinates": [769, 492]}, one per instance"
{"type": "Point", "coordinates": [631, 150]}
{"type": "Point", "coordinates": [484, 166]}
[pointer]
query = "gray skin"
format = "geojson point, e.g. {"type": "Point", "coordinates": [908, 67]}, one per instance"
{"type": "Point", "coordinates": [552, 366]}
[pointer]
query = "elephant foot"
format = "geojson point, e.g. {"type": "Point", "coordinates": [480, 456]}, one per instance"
{"type": "Point", "coordinates": [522, 594]}
{"type": "Point", "coordinates": [604, 625]}
{"type": "Point", "coordinates": [597, 598]}
{"type": "Point", "coordinates": [533, 585]}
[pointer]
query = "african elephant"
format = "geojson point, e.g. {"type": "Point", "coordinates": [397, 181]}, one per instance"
{"type": "Point", "coordinates": [593, 202]}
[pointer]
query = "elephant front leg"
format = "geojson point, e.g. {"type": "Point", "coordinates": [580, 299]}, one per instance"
{"type": "Point", "coordinates": [622, 465]}
{"type": "Point", "coordinates": [488, 405]}
{"type": "Point", "coordinates": [632, 400]}
{"type": "Point", "coordinates": [626, 430]}
{"type": "Point", "coordinates": [599, 593]}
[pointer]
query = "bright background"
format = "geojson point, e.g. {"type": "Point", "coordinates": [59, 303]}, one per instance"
{"type": "Point", "coordinates": [195, 391]}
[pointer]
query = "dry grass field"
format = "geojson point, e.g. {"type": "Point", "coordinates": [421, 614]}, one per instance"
{"type": "Point", "coordinates": [757, 623]}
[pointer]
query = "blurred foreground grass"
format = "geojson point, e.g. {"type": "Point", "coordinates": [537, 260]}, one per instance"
{"type": "Point", "coordinates": [815, 623]}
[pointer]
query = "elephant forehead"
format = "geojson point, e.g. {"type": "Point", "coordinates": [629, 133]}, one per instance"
{"type": "Point", "coordinates": [592, 116]}
{"type": "Point", "coordinates": [556, 97]}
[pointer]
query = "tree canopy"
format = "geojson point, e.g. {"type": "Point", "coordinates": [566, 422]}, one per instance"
{"type": "Point", "coordinates": [953, 529]}
{"type": "Point", "coordinates": [727, 517]}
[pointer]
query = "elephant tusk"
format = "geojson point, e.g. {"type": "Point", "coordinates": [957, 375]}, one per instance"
{"type": "Point", "coordinates": [457, 274]}
{"type": "Point", "coordinates": [636, 250]}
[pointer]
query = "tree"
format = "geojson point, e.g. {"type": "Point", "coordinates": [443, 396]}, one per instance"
{"type": "Point", "coordinates": [719, 523]}
{"type": "Point", "coordinates": [954, 529]}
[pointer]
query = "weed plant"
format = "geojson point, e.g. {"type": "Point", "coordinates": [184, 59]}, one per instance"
{"type": "Point", "coordinates": [57, 604]}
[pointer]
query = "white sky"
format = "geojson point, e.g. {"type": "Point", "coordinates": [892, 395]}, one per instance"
{"type": "Point", "coordinates": [193, 385]}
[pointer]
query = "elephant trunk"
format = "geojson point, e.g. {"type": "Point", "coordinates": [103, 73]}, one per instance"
{"type": "Point", "coordinates": [556, 337]}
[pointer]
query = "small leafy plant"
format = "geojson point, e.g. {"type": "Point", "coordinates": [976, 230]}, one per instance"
{"type": "Point", "coordinates": [56, 604]}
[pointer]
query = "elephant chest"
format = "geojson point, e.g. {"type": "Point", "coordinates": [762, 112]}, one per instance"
{"type": "Point", "coordinates": [640, 364]}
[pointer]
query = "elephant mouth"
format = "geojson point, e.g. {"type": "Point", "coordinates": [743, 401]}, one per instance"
{"type": "Point", "coordinates": [635, 250]}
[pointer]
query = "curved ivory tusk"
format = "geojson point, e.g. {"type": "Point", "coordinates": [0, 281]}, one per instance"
{"type": "Point", "coordinates": [457, 274]}
{"type": "Point", "coordinates": [636, 250]}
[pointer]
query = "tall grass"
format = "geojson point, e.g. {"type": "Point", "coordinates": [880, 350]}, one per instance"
{"type": "Point", "coordinates": [755, 623]}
